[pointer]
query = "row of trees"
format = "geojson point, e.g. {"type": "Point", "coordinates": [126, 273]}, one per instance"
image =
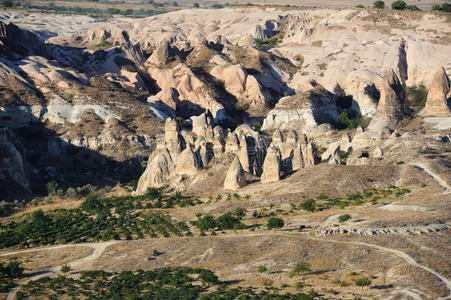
{"type": "Point", "coordinates": [98, 219]}
{"type": "Point", "coordinates": [402, 5]}
{"type": "Point", "coordinates": [179, 283]}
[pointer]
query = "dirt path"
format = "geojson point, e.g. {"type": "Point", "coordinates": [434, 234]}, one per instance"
{"type": "Point", "coordinates": [400, 254]}
{"type": "Point", "coordinates": [437, 178]}
{"type": "Point", "coordinates": [98, 248]}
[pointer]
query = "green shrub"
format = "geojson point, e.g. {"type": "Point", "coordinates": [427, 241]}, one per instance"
{"type": "Point", "coordinates": [104, 44]}
{"type": "Point", "coordinates": [269, 43]}
{"type": "Point", "coordinates": [262, 269]}
{"type": "Point", "coordinates": [52, 187]}
{"type": "Point", "coordinates": [275, 223]}
{"type": "Point", "coordinates": [379, 4]}
{"type": "Point", "coordinates": [399, 5]}
{"type": "Point", "coordinates": [412, 8]}
{"type": "Point", "coordinates": [363, 281]}
{"type": "Point", "coordinates": [308, 205]}
{"type": "Point", "coordinates": [65, 268]}
{"type": "Point", "coordinates": [344, 218]}
{"type": "Point", "coordinates": [360, 6]}
{"type": "Point", "coordinates": [352, 120]}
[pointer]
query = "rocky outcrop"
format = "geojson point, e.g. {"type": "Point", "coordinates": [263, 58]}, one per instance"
{"type": "Point", "coordinates": [235, 178]}
{"type": "Point", "coordinates": [161, 55]}
{"type": "Point", "coordinates": [157, 172]}
{"type": "Point", "coordinates": [12, 164]}
{"type": "Point", "coordinates": [15, 41]}
{"type": "Point", "coordinates": [438, 94]}
{"type": "Point", "coordinates": [303, 111]}
{"type": "Point", "coordinates": [271, 166]}
{"type": "Point", "coordinates": [173, 140]}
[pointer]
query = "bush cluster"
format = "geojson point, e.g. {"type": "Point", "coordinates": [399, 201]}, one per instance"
{"type": "Point", "coordinates": [228, 220]}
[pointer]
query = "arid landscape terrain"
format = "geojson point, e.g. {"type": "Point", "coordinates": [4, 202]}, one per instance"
{"type": "Point", "coordinates": [279, 150]}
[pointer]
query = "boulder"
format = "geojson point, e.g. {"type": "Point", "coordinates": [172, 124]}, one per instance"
{"type": "Point", "coordinates": [235, 176]}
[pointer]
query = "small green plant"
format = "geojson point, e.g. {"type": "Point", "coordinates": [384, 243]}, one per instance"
{"type": "Point", "coordinates": [344, 218]}
{"type": "Point", "coordinates": [275, 223]}
{"type": "Point", "coordinates": [104, 44]}
{"type": "Point", "coordinates": [364, 281]}
{"type": "Point", "coordinates": [423, 185]}
{"type": "Point", "coordinates": [65, 268]}
{"type": "Point", "coordinates": [262, 269]}
{"type": "Point", "coordinates": [269, 43]}
{"type": "Point", "coordinates": [360, 6]}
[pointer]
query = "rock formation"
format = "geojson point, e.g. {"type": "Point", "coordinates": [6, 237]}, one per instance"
{"type": "Point", "coordinates": [157, 172]}
{"type": "Point", "coordinates": [389, 108]}
{"type": "Point", "coordinates": [173, 140]}
{"type": "Point", "coordinates": [271, 166]}
{"type": "Point", "coordinates": [438, 94]}
{"type": "Point", "coordinates": [235, 176]}
{"type": "Point", "coordinates": [188, 163]}
{"type": "Point", "coordinates": [303, 111]}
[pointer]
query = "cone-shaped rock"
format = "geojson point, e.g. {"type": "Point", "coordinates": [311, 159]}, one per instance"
{"type": "Point", "coordinates": [235, 176]}
{"type": "Point", "coordinates": [157, 172]}
{"type": "Point", "coordinates": [436, 103]}
{"type": "Point", "coordinates": [271, 166]}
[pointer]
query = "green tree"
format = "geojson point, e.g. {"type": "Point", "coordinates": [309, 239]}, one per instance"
{"type": "Point", "coordinates": [40, 221]}
{"type": "Point", "coordinates": [379, 4]}
{"type": "Point", "coordinates": [7, 3]}
{"type": "Point", "coordinates": [275, 223]}
{"type": "Point", "coordinates": [208, 276]}
{"type": "Point", "coordinates": [399, 5]}
{"type": "Point", "coordinates": [13, 269]}
{"type": "Point", "coordinates": [196, 5]}
{"type": "Point", "coordinates": [446, 7]}
{"type": "Point", "coordinates": [302, 267]}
